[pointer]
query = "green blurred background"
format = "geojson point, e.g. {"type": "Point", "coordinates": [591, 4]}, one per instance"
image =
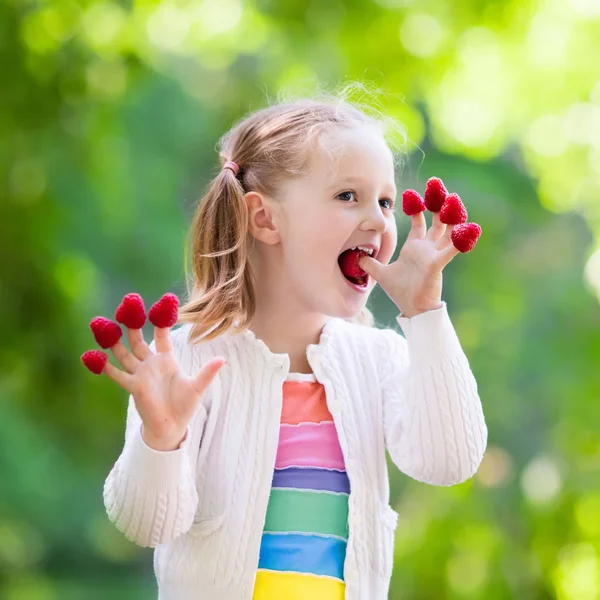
{"type": "Point", "coordinates": [109, 116]}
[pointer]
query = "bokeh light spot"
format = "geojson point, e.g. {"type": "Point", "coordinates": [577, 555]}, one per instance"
{"type": "Point", "coordinates": [587, 513]}
{"type": "Point", "coordinates": [219, 16]}
{"type": "Point", "coordinates": [467, 572]}
{"type": "Point", "coordinates": [102, 23]}
{"type": "Point", "coordinates": [76, 276]}
{"type": "Point", "coordinates": [20, 545]}
{"type": "Point", "coordinates": [546, 136]}
{"type": "Point", "coordinates": [167, 26]}
{"type": "Point", "coordinates": [577, 575]}
{"type": "Point", "coordinates": [495, 467]}
{"type": "Point", "coordinates": [587, 8]}
{"type": "Point", "coordinates": [467, 120]}
{"type": "Point", "coordinates": [541, 480]}
{"type": "Point", "coordinates": [106, 79]}
{"type": "Point", "coordinates": [421, 34]}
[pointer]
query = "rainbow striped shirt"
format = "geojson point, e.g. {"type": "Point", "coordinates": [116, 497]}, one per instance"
{"type": "Point", "coordinates": [303, 546]}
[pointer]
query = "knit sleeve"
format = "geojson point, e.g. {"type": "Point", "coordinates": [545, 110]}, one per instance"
{"type": "Point", "coordinates": [434, 426]}
{"type": "Point", "coordinates": [150, 495]}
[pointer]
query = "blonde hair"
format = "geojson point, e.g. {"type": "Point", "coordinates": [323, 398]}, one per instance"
{"type": "Point", "coordinates": [268, 145]}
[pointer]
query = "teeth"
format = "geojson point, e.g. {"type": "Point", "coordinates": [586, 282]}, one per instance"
{"type": "Point", "coordinates": [369, 251]}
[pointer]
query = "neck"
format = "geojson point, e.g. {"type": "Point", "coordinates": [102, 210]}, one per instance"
{"type": "Point", "coordinates": [287, 332]}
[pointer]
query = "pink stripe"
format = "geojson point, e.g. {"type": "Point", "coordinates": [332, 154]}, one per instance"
{"type": "Point", "coordinates": [309, 445]}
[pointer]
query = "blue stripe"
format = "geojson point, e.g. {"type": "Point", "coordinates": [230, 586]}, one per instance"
{"type": "Point", "coordinates": [311, 554]}
{"type": "Point", "coordinates": [312, 478]}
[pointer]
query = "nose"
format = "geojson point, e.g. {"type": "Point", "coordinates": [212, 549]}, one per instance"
{"type": "Point", "coordinates": [374, 219]}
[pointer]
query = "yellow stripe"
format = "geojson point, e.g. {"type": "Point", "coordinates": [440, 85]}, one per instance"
{"type": "Point", "coordinates": [276, 585]}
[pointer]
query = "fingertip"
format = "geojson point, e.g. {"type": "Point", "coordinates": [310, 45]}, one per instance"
{"type": "Point", "coordinates": [162, 340]}
{"type": "Point", "coordinates": [451, 252]}
{"type": "Point", "coordinates": [419, 218]}
{"type": "Point", "coordinates": [366, 262]}
{"type": "Point", "coordinates": [418, 226]}
{"type": "Point", "coordinates": [218, 363]}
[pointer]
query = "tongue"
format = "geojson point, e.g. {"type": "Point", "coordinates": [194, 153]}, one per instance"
{"type": "Point", "coordinates": [348, 262]}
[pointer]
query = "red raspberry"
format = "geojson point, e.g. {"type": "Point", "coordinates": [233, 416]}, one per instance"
{"type": "Point", "coordinates": [164, 312]}
{"type": "Point", "coordinates": [465, 236]}
{"type": "Point", "coordinates": [131, 312]}
{"type": "Point", "coordinates": [435, 194]}
{"type": "Point", "coordinates": [94, 360]}
{"type": "Point", "coordinates": [348, 262]}
{"type": "Point", "coordinates": [106, 332]}
{"type": "Point", "coordinates": [412, 203]}
{"type": "Point", "coordinates": [453, 211]}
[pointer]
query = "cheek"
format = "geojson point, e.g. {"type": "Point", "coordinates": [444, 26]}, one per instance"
{"type": "Point", "coordinates": [321, 237]}
{"type": "Point", "coordinates": [388, 244]}
{"type": "Point", "coordinates": [311, 243]}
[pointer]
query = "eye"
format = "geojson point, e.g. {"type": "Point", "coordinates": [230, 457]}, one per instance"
{"type": "Point", "coordinates": [349, 192]}
{"type": "Point", "coordinates": [390, 203]}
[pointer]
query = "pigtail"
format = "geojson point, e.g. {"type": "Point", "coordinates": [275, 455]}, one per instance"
{"type": "Point", "coordinates": [221, 293]}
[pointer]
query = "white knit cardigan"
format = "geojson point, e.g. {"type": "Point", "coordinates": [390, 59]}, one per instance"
{"type": "Point", "coordinates": [203, 506]}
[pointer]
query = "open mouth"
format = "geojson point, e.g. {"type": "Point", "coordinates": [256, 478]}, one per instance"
{"type": "Point", "coordinates": [348, 262]}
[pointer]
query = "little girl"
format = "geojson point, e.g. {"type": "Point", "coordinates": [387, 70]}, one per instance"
{"type": "Point", "coordinates": [266, 478]}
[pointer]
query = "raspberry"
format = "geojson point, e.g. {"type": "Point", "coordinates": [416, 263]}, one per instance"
{"type": "Point", "coordinates": [453, 211]}
{"type": "Point", "coordinates": [412, 203]}
{"type": "Point", "coordinates": [348, 262]}
{"type": "Point", "coordinates": [435, 194]}
{"type": "Point", "coordinates": [94, 360]}
{"type": "Point", "coordinates": [131, 312]}
{"type": "Point", "coordinates": [163, 313]}
{"type": "Point", "coordinates": [106, 332]}
{"type": "Point", "coordinates": [465, 236]}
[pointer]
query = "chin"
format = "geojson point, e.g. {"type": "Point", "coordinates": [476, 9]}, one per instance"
{"type": "Point", "coordinates": [339, 300]}
{"type": "Point", "coordinates": [349, 311]}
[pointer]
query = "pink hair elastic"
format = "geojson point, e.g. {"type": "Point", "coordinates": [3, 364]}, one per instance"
{"type": "Point", "coordinates": [231, 165]}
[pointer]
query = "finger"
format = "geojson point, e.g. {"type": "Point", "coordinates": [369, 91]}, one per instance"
{"type": "Point", "coordinates": [371, 267]}
{"type": "Point", "coordinates": [418, 228]}
{"type": "Point", "coordinates": [125, 380]}
{"type": "Point", "coordinates": [207, 374]}
{"type": "Point", "coordinates": [437, 229]}
{"type": "Point", "coordinates": [137, 344]}
{"type": "Point", "coordinates": [447, 254]}
{"type": "Point", "coordinates": [446, 239]}
{"type": "Point", "coordinates": [127, 360]}
{"type": "Point", "coordinates": [162, 339]}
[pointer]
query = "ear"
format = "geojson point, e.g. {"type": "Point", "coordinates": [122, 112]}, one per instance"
{"type": "Point", "coordinates": [260, 213]}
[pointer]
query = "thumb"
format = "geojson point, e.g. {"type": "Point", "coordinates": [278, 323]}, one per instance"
{"type": "Point", "coordinates": [372, 267]}
{"type": "Point", "coordinates": [207, 374]}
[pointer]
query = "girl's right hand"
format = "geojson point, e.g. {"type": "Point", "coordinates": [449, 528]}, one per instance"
{"type": "Point", "coordinates": [165, 397]}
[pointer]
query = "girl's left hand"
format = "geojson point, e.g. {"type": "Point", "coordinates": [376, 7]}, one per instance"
{"type": "Point", "coordinates": [414, 281]}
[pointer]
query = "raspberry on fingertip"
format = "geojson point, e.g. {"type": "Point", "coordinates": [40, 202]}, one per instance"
{"type": "Point", "coordinates": [131, 312]}
{"type": "Point", "coordinates": [465, 236]}
{"type": "Point", "coordinates": [453, 211]}
{"type": "Point", "coordinates": [94, 360]}
{"type": "Point", "coordinates": [164, 312]}
{"type": "Point", "coordinates": [435, 194]}
{"type": "Point", "coordinates": [106, 332]}
{"type": "Point", "coordinates": [412, 203]}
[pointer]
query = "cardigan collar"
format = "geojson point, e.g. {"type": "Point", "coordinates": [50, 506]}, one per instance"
{"type": "Point", "coordinates": [282, 360]}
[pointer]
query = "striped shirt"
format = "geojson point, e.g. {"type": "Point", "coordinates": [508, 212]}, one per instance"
{"type": "Point", "coordinates": [303, 545]}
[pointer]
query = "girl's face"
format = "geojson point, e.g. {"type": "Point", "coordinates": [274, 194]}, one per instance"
{"type": "Point", "coordinates": [346, 199]}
